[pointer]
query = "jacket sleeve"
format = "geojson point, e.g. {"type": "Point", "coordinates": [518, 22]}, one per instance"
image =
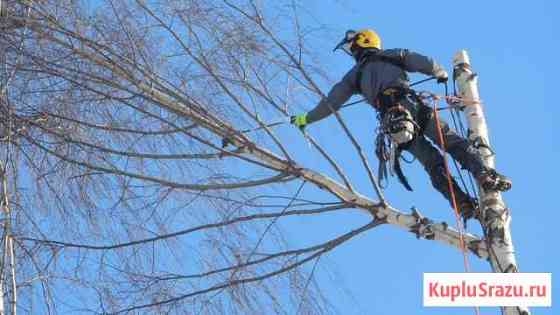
{"type": "Point", "coordinates": [415, 62]}
{"type": "Point", "coordinates": [337, 96]}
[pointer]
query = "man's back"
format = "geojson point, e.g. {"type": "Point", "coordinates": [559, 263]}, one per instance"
{"type": "Point", "coordinates": [376, 71]}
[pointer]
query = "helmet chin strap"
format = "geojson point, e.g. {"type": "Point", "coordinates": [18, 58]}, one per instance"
{"type": "Point", "coordinates": [358, 54]}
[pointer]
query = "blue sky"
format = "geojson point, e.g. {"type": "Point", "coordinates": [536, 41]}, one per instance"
{"type": "Point", "coordinates": [513, 47]}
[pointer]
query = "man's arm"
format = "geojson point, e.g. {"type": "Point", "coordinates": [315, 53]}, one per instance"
{"type": "Point", "coordinates": [415, 62]}
{"type": "Point", "coordinates": [337, 96]}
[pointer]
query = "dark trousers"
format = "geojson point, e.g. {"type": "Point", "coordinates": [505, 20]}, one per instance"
{"type": "Point", "coordinates": [431, 158]}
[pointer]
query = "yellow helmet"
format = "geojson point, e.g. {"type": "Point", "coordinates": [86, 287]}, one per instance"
{"type": "Point", "coordinates": [368, 39]}
{"type": "Point", "coordinates": [363, 39]}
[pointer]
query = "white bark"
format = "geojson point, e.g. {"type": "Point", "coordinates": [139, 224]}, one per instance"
{"type": "Point", "coordinates": [2, 297]}
{"type": "Point", "coordinates": [495, 218]}
{"type": "Point", "coordinates": [3, 10]}
{"type": "Point", "coordinates": [5, 225]}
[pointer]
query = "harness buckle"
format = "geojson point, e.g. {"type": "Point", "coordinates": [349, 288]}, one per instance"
{"type": "Point", "coordinates": [392, 92]}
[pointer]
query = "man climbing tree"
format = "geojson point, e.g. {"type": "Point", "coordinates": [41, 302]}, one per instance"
{"type": "Point", "coordinates": [405, 120]}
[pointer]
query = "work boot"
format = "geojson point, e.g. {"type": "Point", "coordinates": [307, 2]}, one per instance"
{"type": "Point", "coordinates": [469, 209]}
{"type": "Point", "coordinates": [490, 180]}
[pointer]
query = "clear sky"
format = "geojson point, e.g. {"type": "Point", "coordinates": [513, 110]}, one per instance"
{"type": "Point", "coordinates": [513, 47]}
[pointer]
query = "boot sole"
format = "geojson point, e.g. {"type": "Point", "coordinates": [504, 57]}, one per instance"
{"type": "Point", "coordinates": [500, 186]}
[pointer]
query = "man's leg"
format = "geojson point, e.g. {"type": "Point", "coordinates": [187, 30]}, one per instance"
{"type": "Point", "coordinates": [433, 163]}
{"type": "Point", "coordinates": [457, 147]}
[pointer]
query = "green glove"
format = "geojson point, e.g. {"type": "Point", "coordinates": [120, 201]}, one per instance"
{"type": "Point", "coordinates": [299, 121]}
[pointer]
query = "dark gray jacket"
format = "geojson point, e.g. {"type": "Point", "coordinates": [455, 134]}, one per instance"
{"type": "Point", "coordinates": [375, 77]}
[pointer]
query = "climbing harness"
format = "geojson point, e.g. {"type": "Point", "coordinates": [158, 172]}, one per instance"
{"type": "Point", "coordinates": [411, 85]}
{"type": "Point", "coordinates": [399, 125]}
{"type": "Point", "coordinates": [398, 129]}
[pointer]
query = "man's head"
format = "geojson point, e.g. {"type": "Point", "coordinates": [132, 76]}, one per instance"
{"type": "Point", "coordinates": [355, 42]}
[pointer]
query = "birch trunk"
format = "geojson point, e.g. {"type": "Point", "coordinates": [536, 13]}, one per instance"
{"type": "Point", "coordinates": [495, 216]}
{"type": "Point", "coordinates": [3, 247]}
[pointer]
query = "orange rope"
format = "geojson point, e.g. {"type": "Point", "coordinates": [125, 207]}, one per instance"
{"type": "Point", "coordinates": [460, 226]}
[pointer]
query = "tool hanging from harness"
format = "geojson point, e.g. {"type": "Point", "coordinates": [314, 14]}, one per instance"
{"type": "Point", "coordinates": [388, 152]}
{"type": "Point", "coordinates": [397, 130]}
{"type": "Point", "coordinates": [399, 125]}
